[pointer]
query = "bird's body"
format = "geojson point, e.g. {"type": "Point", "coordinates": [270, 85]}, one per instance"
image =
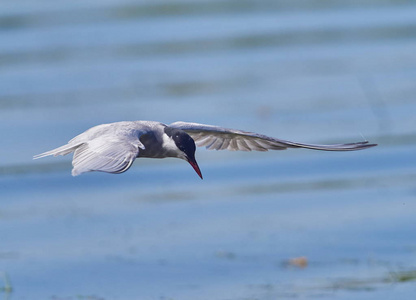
{"type": "Point", "coordinates": [113, 147]}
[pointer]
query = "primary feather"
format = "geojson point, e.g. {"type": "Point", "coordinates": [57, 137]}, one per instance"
{"type": "Point", "coordinates": [219, 138]}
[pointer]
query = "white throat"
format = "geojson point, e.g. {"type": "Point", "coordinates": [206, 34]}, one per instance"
{"type": "Point", "coordinates": [170, 147]}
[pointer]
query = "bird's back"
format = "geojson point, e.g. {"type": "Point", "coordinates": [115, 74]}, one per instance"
{"type": "Point", "coordinates": [123, 128]}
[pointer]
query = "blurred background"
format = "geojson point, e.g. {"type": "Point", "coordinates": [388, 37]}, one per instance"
{"type": "Point", "coordinates": [277, 225]}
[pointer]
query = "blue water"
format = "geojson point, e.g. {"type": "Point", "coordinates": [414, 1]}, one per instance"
{"type": "Point", "coordinates": [307, 71]}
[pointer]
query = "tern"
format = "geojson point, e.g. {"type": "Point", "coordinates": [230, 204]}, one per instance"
{"type": "Point", "coordinates": [113, 147]}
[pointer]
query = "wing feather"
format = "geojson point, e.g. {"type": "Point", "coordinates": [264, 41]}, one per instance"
{"type": "Point", "coordinates": [105, 155]}
{"type": "Point", "coordinates": [255, 145]}
{"type": "Point", "coordinates": [225, 145]}
{"type": "Point", "coordinates": [217, 144]}
{"type": "Point", "coordinates": [242, 145]}
{"type": "Point", "coordinates": [206, 141]}
{"type": "Point", "coordinates": [108, 148]}
{"type": "Point", "coordinates": [218, 138]}
{"type": "Point", "coordinates": [233, 145]}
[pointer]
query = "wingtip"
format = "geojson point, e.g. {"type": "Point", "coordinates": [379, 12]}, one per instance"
{"type": "Point", "coordinates": [361, 146]}
{"type": "Point", "coordinates": [367, 145]}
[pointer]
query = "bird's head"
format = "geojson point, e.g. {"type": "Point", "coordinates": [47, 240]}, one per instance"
{"type": "Point", "coordinates": [185, 147]}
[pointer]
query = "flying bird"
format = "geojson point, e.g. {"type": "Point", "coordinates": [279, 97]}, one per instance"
{"type": "Point", "coordinates": [113, 147]}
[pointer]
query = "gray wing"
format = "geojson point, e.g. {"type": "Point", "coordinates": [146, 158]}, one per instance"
{"type": "Point", "coordinates": [218, 138]}
{"type": "Point", "coordinates": [104, 154]}
{"type": "Point", "coordinates": [110, 148]}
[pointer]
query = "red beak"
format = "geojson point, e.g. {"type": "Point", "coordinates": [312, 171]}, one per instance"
{"type": "Point", "coordinates": [194, 165]}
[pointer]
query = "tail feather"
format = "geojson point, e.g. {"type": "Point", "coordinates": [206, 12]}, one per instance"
{"type": "Point", "coordinates": [63, 150]}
